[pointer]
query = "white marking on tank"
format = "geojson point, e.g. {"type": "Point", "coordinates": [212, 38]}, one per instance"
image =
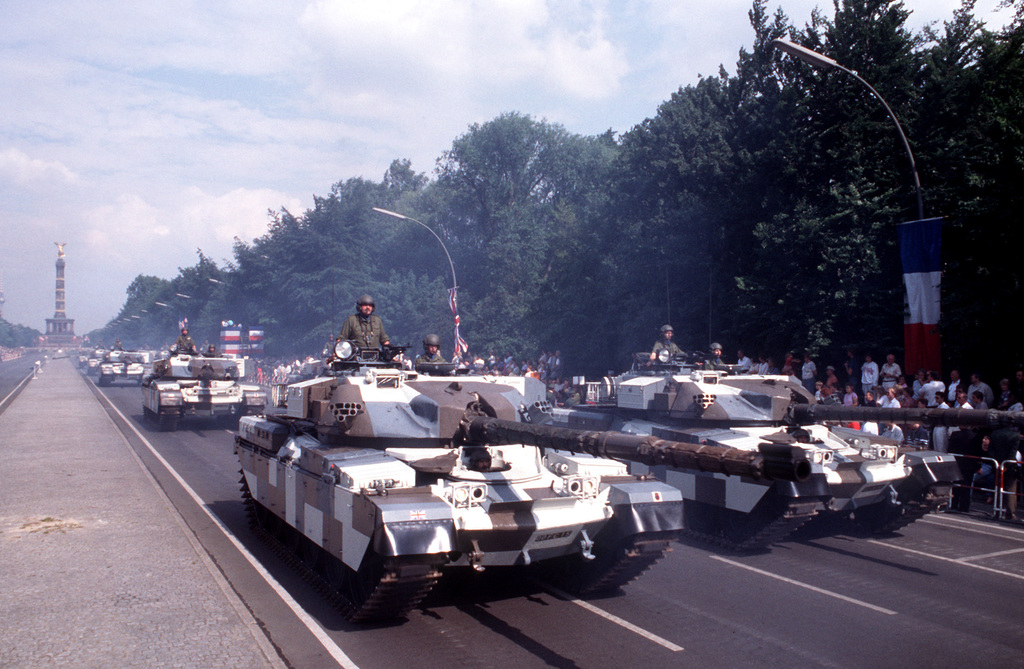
{"type": "Point", "coordinates": [1019, 577]}
{"type": "Point", "coordinates": [808, 586]}
{"type": "Point", "coordinates": [625, 624]}
{"type": "Point", "coordinates": [315, 629]}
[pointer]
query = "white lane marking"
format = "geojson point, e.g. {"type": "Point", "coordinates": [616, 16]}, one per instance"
{"type": "Point", "coordinates": [16, 388]}
{"type": "Point", "coordinates": [988, 555]}
{"type": "Point", "coordinates": [1019, 577]}
{"type": "Point", "coordinates": [337, 653]}
{"type": "Point", "coordinates": [791, 581]}
{"type": "Point", "coordinates": [968, 525]}
{"type": "Point", "coordinates": [651, 636]}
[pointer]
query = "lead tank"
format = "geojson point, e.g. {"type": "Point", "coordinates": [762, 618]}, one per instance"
{"type": "Point", "coordinates": [376, 479]}
{"type": "Point", "coordinates": [875, 481]}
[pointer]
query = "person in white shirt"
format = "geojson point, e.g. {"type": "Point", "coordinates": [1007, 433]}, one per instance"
{"type": "Point", "coordinates": [868, 374]}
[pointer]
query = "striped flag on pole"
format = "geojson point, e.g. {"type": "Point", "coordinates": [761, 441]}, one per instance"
{"type": "Point", "coordinates": [921, 256]}
{"type": "Point", "coordinates": [461, 346]}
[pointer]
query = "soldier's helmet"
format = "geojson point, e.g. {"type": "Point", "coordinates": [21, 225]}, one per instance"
{"type": "Point", "coordinates": [431, 340]}
{"type": "Point", "coordinates": [715, 346]}
{"type": "Point", "coordinates": [184, 330]}
{"type": "Point", "coordinates": [364, 300]}
{"type": "Point", "coordinates": [666, 328]}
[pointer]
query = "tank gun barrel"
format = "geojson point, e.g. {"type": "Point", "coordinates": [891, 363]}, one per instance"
{"type": "Point", "coordinates": [804, 414]}
{"type": "Point", "coordinates": [770, 461]}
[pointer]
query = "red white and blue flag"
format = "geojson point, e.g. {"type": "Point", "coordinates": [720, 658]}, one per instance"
{"type": "Point", "coordinates": [921, 255]}
{"type": "Point", "coordinates": [461, 347]}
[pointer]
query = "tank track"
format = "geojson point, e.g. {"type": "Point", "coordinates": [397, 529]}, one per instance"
{"type": "Point", "coordinates": [624, 563]}
{"type": "Point", "coordinates": [931, 499]}
{"type": "Point", "coordinates": [791, 518]}
{"type": "Point", "coordinates": [399, 586]}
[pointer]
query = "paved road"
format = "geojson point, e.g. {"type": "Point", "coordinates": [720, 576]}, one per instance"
{"type": "Point", "coordinates": [948, 591]}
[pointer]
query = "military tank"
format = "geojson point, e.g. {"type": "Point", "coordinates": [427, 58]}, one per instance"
{"type": "Point", "coordinates": [874, 481]}
{"type": "Point", "coordinates": [122, 366]}
{"type": "Point", "coordinates": [95, 357]}
{"type": "Point", "coordinates": [190, 385]}
{"type": "Point", "coordinates": [374, 480]}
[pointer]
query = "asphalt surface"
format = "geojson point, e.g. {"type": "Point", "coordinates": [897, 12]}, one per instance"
{"type": "Point", "coordinates": [948, 591]}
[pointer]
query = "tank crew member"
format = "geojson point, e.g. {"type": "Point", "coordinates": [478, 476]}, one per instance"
{"type": "Point", "coordinates": [431, 350]}
{"type": "Point", "coordinates": [665, 343]}
{"type": "Point", "coordinates": [714, 360]}
{"type": "Point", "coordinates": [117, 345]}
{"type": "Point", "coordinates": [365, 327]}
{"type": "Point", "coordinates": [211, 352]}
{"type": "Point", "coordinates": [184, 343]}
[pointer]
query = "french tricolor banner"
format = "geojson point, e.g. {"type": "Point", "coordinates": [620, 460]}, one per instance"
{"type": "Point", "coordinates": [921, 255]}
{"type": "Point", "coordinates": [231, 341]}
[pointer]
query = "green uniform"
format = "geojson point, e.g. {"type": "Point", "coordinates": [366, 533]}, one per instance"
{"type": "Point", "coordinates": [366, 332]}
{"type": "Point", "coordinates": [423, 357]}
{"type": "Point", "coordinates": [662, 344]}
{"type": "Point", "coordinates": [184, 344]}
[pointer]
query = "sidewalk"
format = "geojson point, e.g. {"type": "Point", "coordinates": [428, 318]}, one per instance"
{"type": "Point", "coordinates": [96, 568]}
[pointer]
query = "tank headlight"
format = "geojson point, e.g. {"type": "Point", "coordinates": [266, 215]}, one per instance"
{"type": "Point", "coordinates": [466, 495]}
{"type": "Point", "coordinates": [579, 486]}
{"type": "Point", "coordinates": [664, 356]}
{"type": "Point", "coordinates": [344, 350]}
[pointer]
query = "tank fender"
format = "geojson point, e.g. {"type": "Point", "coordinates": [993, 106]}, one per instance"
{"type": "Point", "coordinates": [413, 523]}
{"type": "Point", "coordinates": [930, 467]}
{"type": "Point", "coordinates": [645, 506]}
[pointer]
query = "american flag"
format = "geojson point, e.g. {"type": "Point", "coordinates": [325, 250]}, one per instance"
{"type": "Point", "coordinates": [183, 322]}
{"type": "Point", "coordinates": [461, 346]}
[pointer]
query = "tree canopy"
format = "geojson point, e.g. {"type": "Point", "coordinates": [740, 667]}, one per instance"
{"type": "Point", "coordinates": [758, 209]}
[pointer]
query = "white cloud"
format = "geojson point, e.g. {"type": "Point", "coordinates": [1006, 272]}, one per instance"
{"type": "Point", "coordinates": [18, 167]}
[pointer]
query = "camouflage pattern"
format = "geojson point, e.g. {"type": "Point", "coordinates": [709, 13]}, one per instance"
{"type": "Point", "coordinates": [185, 385]}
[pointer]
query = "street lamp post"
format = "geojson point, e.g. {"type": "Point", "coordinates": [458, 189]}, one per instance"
{"type": "Point", "coordinates": [823, 62]}
{"type": "Point", "coordinates": [459, 342]}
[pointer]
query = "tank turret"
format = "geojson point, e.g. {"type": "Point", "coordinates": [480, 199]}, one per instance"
{"type": "Point", "coordinates": [377, 479]}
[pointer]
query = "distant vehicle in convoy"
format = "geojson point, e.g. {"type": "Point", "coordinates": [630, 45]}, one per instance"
{"type": "Point", "coordinates": [377, 479]}
{"type": "Point", "coordinates": [876, 482]}
{"type": "Point", "coordinates": [95, 357]}
{"type": "Point", "coordinates": [123, 366]}
{"type": "Point", "coordinates": [190, 385]}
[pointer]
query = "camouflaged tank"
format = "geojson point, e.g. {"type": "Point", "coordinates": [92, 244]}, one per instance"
{"type": "Point", "coordinates": [123, 366]}
{"type": "Point", "coordinates": [193, 385]}
{"type": "Point", "coordinates": [875, 481]}
{"type": "Point", "coordinates": [375, 480]}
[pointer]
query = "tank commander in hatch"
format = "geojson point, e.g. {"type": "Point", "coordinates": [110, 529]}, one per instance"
{"type": "Point", "coordinates": [211, 352]}
{"type": "Point", "coordinates": [364, 327]}
{"type": "Point", "coordinates": [184, 343]}
{"type": "Point", "coordinates": [714, 360]}
{"type": "Point", "coordinates": [665, 343]}
{"type": "Point", "coordinates": [117, 345]}
{"type": "Point", "coordinates": [431, 350]}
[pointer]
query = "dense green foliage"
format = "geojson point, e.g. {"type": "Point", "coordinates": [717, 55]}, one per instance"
{"type": "Point", "coordinates": [759, 209]}
{"type": "Point", "coordinates": [14, 336]}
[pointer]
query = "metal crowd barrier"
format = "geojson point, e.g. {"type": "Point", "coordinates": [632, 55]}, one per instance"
{"type": "Point", "coordinates": [998, 481]}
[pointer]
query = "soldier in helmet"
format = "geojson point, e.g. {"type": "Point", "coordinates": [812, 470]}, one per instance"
{"type": "Point", "coordinates": [665, 343]}
{"type": "Point", "coordinates": [714, 360]}
{"type": "Point", "coordinates": [365, 327]}
{"type": "Point", "coordinates": [184, 344]}
{"type": "Point", "coordinates": [431, 350]}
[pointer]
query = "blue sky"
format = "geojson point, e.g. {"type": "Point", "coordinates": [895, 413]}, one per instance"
{"type": "Point", "coordinates": [138, 133]}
